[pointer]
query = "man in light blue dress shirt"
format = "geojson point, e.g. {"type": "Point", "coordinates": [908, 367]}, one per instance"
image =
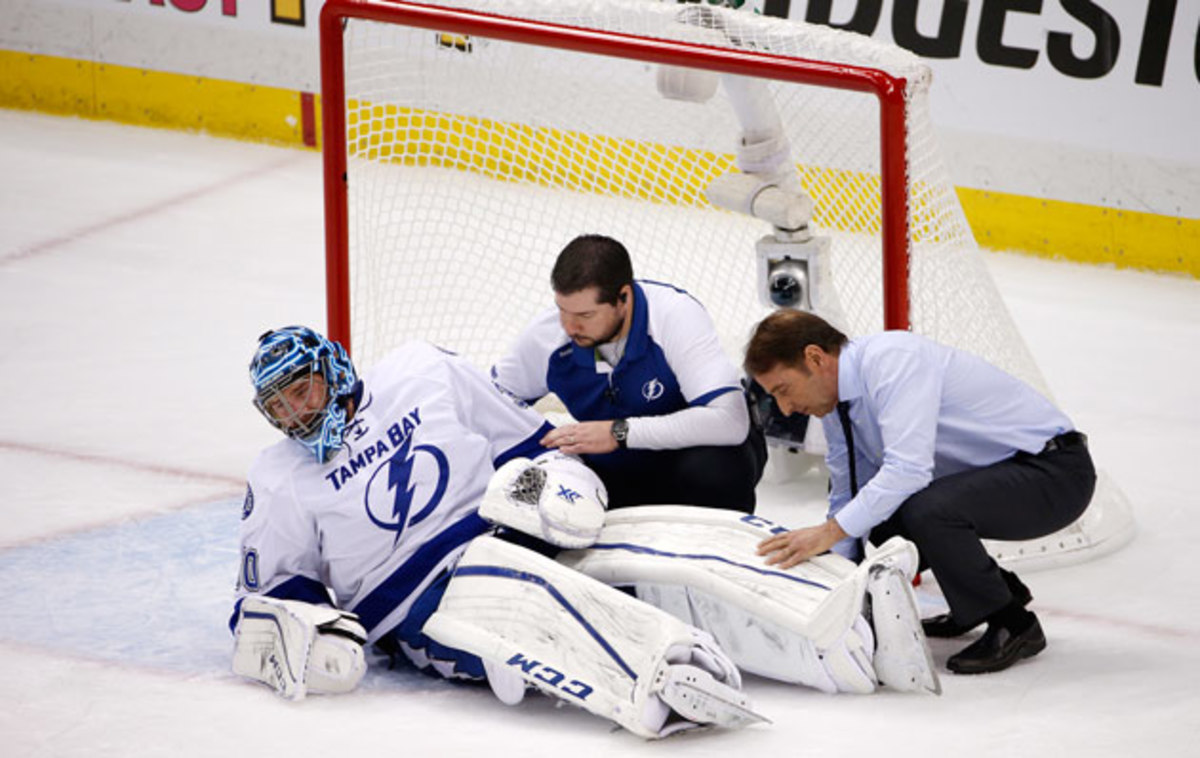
{"type": "Point", "coordinates": [938, 446]}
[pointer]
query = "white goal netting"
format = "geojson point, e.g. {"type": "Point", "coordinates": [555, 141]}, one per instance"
{"type": "Point", "coordinates": [471, 161]}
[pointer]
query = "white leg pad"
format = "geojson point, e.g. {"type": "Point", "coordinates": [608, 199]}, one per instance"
{"type": "Point", "coordinates": [801, 625]}
{"type": "Point", "coordinates": [769, 649]}
{"type": "Point", "coordinates": [583, 642]}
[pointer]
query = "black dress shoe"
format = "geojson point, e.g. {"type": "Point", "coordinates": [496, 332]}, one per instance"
{"type": "Point", "coordinates": [944, 626]}
{"type": "Point", "coordinates": [998, 649]}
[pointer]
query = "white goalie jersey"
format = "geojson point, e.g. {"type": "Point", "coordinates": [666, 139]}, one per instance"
{"type": "Point", "coordinates": [397, 504]}
{"type": "Point", "coordinates": [379, 525]}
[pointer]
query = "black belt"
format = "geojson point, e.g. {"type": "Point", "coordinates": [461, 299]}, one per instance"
{"type": "Point", "coordinates": [1064, 441]}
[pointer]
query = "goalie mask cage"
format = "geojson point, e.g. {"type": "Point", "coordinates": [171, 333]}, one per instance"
{"type": "Point", "coordinates": [466, 143]}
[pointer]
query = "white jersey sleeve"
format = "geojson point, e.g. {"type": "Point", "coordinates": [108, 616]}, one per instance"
{"type": "Point", "coordinates": [512, 430]}
{"type": "Point", "coordinates": [279, 555]}
{"type": "Point", "coordinates": [689, 341]}
{"type": "Point", "coordinates": [521, 373]}
{"type": "Point", "coordinates": [711, 385]}
{"type": "Point", "coordinates": [725, 420]}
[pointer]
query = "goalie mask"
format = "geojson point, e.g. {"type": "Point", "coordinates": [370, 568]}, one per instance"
{"type": "Point", "coordinates": [303, 383]}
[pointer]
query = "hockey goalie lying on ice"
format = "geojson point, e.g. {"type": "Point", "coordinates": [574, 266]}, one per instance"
{"type": "Point", "coordinates": [373, 524]}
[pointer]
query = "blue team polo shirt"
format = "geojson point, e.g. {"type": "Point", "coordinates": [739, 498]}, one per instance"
{"type": "Point", "coordinates": [672, 360]}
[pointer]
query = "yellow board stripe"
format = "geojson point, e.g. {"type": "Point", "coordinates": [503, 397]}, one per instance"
{"type": "Point", "coordinates": [539, 155]}
{"type": "Point", "coordinates": [150, 98]}
{"type": "Point", "coordinates": [610, 166]}
{"type": "Point", "coordinates": [1075, 231]}
{"type": "Point", "coordinates": [1084, 233]}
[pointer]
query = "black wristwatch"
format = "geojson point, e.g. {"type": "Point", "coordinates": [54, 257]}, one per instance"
{"type": "Point", "coordinates": [620, 431]}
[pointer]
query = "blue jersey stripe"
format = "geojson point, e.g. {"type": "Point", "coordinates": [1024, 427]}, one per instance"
{"type": "Point", "coordinates": [643, 550]}
{"type": "Point", "coordinates": [530, 447]}
{"type": "Point", "coordinates": [525, 576]}
{"type": "Point", "coordinates": [303, 589]}
{"type": "Point", "coordinates": [708, 397]}
{"type": "Point", "coordinates": [394, 590]}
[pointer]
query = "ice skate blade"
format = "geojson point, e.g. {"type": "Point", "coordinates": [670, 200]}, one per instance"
{"type": "Point", "coordinates": [693, 694]}
{"type": "Point", "coordinates": [902, 657]}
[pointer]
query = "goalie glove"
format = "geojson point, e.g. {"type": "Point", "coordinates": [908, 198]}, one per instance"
{"type": "Point", "coordinates": [554, 498]}
{"type": "Point", "coordinates": [297, 648]}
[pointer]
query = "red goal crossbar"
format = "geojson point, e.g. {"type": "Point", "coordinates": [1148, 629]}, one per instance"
{"type": "Point", "coordinates": [888, 89]}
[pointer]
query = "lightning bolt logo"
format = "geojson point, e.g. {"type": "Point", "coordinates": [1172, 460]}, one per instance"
{"type": "Point", "coordinates": [400, 467]}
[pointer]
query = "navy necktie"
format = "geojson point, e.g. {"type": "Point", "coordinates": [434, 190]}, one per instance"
{"type": "Point", "coordinates": [843, 411]}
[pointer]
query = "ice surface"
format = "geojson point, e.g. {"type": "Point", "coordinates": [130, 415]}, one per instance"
{"type": "Point", "coordinates": [137, 267]}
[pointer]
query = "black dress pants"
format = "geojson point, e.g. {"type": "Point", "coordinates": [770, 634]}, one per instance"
{"type": "Point", "coordinates": [712, 476]}
{"type": "Point", "coordinates": [1021, 498]}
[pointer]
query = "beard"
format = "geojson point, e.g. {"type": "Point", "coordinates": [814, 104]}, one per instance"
{"type": "Point", "coordinates": [593, 342]}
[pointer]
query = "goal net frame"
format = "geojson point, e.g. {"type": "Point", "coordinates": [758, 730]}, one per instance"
{"type": "Point", "coordinates": [887, 88]}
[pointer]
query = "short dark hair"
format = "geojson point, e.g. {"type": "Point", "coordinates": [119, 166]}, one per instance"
{"type": "Point", "coordinates": [592, 260]}
{"type": "Point", "coordinates": [781, 338]}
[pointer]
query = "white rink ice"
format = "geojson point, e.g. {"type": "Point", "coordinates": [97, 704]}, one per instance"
{"type": "Point", "coordinates": [137, 267]}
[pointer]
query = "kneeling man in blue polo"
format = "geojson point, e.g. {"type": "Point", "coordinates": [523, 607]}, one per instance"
{"type": "Point", "coordinates": [658, 408]}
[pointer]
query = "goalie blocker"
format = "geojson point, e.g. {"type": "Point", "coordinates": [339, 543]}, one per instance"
{"type": "Point", "coordinates": [297, 648]}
